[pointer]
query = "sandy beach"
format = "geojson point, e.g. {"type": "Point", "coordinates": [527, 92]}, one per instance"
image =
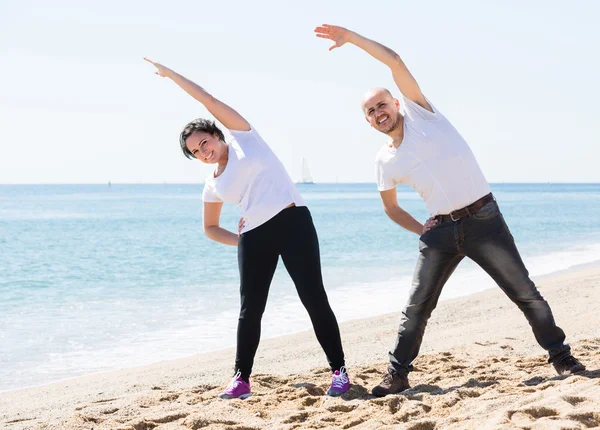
{"type": "Point", "coordinates": [479, 367]}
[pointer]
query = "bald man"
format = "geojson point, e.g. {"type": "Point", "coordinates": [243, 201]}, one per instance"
{"type": "Point", "coordinates": [426, 152]}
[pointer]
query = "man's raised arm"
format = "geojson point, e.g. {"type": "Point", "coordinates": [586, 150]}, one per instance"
{"type": "Point", "coordinates": [404, 79]}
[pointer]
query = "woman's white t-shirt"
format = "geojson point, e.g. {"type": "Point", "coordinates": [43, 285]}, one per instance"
{"type": "Point", "coordinates": [254, 179]}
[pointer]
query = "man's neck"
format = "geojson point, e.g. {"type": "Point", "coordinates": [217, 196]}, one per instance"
{"type": "Point", "coordinates": [397, 136]}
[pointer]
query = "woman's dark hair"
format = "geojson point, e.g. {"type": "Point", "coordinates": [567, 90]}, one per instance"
{"type": "Point", "coordinates": [198, 124]}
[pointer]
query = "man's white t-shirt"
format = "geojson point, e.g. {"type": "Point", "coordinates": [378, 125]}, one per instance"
{"type": "Point", "coordinates": [434, 159]}
{"type": "Point", "coordinates": [254, 179]}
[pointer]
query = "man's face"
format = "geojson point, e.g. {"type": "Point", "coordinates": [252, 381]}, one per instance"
{"type": "Point", "coordinates": [382, 111]}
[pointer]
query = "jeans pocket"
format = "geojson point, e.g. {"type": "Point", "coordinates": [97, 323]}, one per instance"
{"type": "Point", "coordinates": [434, 232]}
{"type": "Point", "coordinates": [487, 211]}
{"type": "Point", "coordinates": [506, 229]}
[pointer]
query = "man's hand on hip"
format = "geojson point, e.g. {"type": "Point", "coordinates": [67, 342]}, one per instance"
{"type": "Point", "coordinates": [429, 224]}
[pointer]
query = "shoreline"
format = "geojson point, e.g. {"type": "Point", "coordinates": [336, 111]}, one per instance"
{"type": "Point", "coordinates": [573, 270]}
{"type": "Point", "coordinates": [72, 317]}
{"type": "Point", "coordinates": [481, 323]}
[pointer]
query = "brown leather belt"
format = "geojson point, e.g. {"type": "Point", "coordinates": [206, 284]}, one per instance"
{"type": "Point", "coordinates": [468, 210]}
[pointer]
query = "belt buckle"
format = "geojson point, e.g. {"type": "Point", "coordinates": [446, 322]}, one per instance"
{"type": "Point", "coordinates": [459, 217]}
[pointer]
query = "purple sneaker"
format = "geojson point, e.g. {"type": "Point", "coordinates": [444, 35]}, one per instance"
{"type": "Point", "coordinates": [340, 383]}
{"type": "Point", "coordinates": [237, 388]}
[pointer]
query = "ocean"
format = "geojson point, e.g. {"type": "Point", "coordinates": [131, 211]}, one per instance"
{"type": "Point", "coordinates": [95, 278]}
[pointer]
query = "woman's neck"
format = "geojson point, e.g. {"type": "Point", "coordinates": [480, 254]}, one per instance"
{"type": "Point", "coordinates": [225, 157]}
{"type": "Point", "coordinates": [222, 163]}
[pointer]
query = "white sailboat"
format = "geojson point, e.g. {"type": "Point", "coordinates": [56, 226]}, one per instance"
{"type": "Point", "coordinates": [306, 176]}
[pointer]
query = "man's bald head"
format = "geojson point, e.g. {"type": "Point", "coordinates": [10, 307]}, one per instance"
{"type": "Point", "coordinates": [382, 110]}
{"type": "Point", "coordinates": [375, 93]}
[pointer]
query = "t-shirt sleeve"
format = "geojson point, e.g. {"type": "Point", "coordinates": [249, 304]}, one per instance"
{"type": "Point", "coordinates": [209, 194]}
{"type": "Point", "coordinates": [413, 111]}
{"type": "Point", "coordinates": [384, 179]}
{"type": "Point", "coordinates": [248, 137]}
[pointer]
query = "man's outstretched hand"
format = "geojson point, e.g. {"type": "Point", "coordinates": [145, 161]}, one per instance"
{"type": "Point", "coordinates": [339, 35]}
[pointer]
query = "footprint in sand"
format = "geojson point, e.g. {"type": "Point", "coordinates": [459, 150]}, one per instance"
{"type": "Point", "coordinates": [199, 421]}
{"type": "Point", "coordinates": [297, 418]}
{"type": "Point", "coordinates": [574, 400]}
{"type": "Point", "coordinates": [163, 419]}
{"type": "Point", "coordinates": [393, 403]}
{"type": "Point", "coordinates": [466, 393]}
{"type": "Point", "coordinates": [169, 397]}
{"type": "Point", "coordinates": [536, 380]}
{"type": "Point", "coordinates": [424, 388]}
{"type": "Point", "coordinates": [481, 384]}
{"type": "Point", "coordinates": [588, 419]}
{"type": "Point", "coordinates": [200, 389]}
{"type": "Point", "coordinates": [528, 415]}
{"type": "Point", "coordinates": [450, 400]}
{"type": "Point", "coordinates": [369, 371]}
{"type": "Point", "coordinates": [422, 425]}
{"type": "Point", "coordinates": [88, 419]}
{"type": "Point", "coordinates": [269, 381]}
{"type": "Point", "coordinates": [412, 410]}
{"type": "Point", "coordinates": [311, 389]}
{"type": "Point", "coordinates": [450, 367]}
{"type": "Point", "coordinates": [309, 401]}
{"type": "Point", "coordinates": [353, 423]}
{"type": "Point", "coordinates": [329, 419]}
{"type": "Point", "coordinates": [341, 408]}
{"type": "Point", "coordinates": [546, 385]}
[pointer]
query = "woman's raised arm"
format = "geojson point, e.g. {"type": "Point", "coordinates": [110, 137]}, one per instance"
{"type": "Point", "coordinates": [225, 114]}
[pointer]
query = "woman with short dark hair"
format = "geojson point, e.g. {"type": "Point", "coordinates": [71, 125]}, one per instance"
{"type": "Point", "coordinates": [275, 222]}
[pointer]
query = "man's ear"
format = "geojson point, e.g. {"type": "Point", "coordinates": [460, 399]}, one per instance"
{"type": "Point", "coordinates": [397, 103]}
{"type": "Point", "coordinates": [367, 119]}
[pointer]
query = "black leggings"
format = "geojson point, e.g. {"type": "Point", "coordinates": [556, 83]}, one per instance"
{"type": "Point", "coordinates": [292, 235]}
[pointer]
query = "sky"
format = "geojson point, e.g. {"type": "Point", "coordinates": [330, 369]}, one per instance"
{"type": "Point", "coordinates": [78, 104]}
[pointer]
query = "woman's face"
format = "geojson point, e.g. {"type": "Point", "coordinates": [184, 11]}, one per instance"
{"type": "Point", "coordinates": [205, 147]}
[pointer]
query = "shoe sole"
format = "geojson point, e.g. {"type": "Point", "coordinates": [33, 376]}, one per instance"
{"type": "Point", "coordinates": [572, 371]}
{"type": "Point", "coordinates": [377, 393]}
{"type": "Point", "coordinates": [335, 393]}
{"type": "Point", "coordinates": [228, 397]}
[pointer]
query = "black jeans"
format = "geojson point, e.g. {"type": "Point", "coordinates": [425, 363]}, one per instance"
{"type": "Point", "coordinates": [485, 238]}
{"type": "Point", "coordinates": [291, 234]}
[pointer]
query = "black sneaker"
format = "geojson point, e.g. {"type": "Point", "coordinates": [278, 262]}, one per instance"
{"type": "Point", "coordinates": [568, 366]}
{"type": "Point", "coordinates": [392, 384]}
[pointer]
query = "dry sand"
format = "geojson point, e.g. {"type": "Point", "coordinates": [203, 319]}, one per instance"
{"type": "Point", "coordinates": [480, 368]}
